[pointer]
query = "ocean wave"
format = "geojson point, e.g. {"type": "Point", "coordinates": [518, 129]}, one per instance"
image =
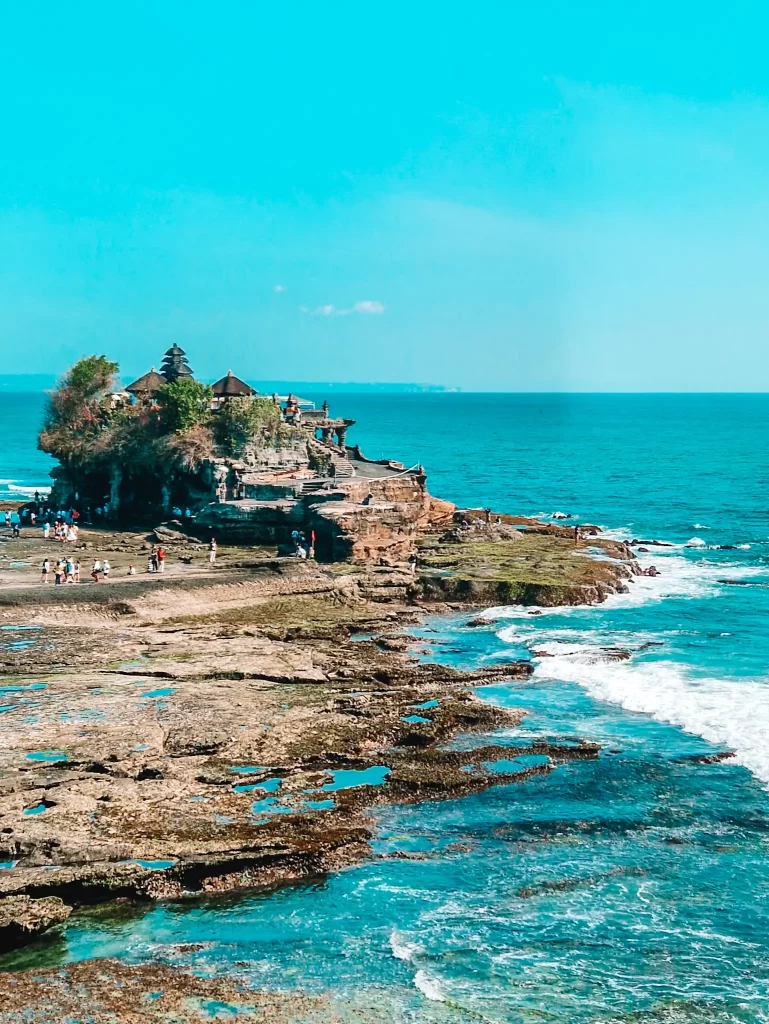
{"type": "Point", "coordinates": [430, 987]}
{"type": "Point", "coordinates": [730, 714]}
{"type": "Point", "coordinates": [24, 489]}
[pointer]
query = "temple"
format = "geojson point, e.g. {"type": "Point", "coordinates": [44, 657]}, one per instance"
{"type": "Point", "coordinates": [297, 475]}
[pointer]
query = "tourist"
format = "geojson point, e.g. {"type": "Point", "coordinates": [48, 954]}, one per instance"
{"type": "Point", "coordinates": [212, 551]}
{"type": "Point", "coordinates": [487, 513]}
{"type": "Point", "coordinates": [71, 534]}
{"type": "Point", "coordinates": [96, 570]}
{"type": "Point", "coordinates": [300, 551]}
{"type": "Point", "coordinates": [131, 569]}
{"type": "Point", "coordinates": [77, 571]}
{"type": "Point", "coordinates": [576, 535]}
{"type": "Point", "coordinates": [413, 559]}
{"type": "Point", "coordinates": [37, 497]}
{"type": "Point", "coordinates": [46, 529]}
{"type": "Point", "coordinates": [161, 555]}
{"type": "Point", "coordinates": [44, 570]}
{"type": "Point", "coordinates": [33, 517]}
{"type": "Point", "coordinates": [58, 572]}
{"type": "Point", "coordinates": [7, 520]}
{"type": "Point", "coordinates": [150, 562]}
{"type": "Point", "coordinates": [105, 568]}
{"type": "Point", "coordinates": [70, 570]}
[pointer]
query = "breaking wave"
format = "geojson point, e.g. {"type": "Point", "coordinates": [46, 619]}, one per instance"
{"type": "Point", "coordinates": [728, 713]}
{"type": "Point", "coordinates": [430, 987]}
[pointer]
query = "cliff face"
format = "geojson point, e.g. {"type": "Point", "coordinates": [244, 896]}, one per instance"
{"type": "Point", "coordinates": [359, 520]}
{"type": "Point", "coordinates": [377, 520]}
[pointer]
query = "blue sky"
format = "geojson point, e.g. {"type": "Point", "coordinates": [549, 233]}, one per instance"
{"type": "Point", "coordinates": [496, 196]}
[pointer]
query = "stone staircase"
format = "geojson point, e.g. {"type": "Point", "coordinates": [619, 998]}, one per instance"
{"type": "Point", "coordinates": [338, 457]}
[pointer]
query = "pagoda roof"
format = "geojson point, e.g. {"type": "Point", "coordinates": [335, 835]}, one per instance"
{"type": "Point", "coordinates": [147, 384]}
{"type": "Point", "coordinates": [175, 350]}
{"type": "Point", "coordinates": [231, 386]}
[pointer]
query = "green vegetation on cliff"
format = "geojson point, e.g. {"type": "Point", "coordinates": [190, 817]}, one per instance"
{"type": "Point", "coordinates": [99, 439]}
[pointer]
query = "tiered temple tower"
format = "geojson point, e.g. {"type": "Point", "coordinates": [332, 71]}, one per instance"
{"type": "Point", "coordinates": [175, 365]}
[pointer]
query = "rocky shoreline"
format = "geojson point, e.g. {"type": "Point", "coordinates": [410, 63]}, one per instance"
{"type": "Point", "coordinates": [227, 729]}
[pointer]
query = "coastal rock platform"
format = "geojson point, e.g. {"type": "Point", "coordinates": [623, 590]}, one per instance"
{"type": "Point", "coordinates": [228, 728]}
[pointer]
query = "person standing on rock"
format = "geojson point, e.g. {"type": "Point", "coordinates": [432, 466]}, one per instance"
{"type": "Point", "coordinates": [45, 569]}
{"type": "Point", "coordinates": [96, 569]}
{"type": "Point", "coordinates": [46, 529]}
{"type": "Point", "coordinates": [106, 568]}
{"type": "Point", "coordinates": [212, 551]}
{"type": "Point", "coordinates": [161, 558]}
{"type": "Point", "coordinates": [413, 559]}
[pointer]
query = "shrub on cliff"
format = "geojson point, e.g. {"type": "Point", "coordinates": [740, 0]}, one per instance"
{"type": "Point", "coordinates": [246, 421]}
{"type": "Point", "coordinates": [77, 410]}
{"type": "Point", "coordinates": [184, 404]}
{"type": "Point", "coordinates": [185, 450]}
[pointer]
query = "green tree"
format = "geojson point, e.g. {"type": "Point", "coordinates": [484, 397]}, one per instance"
{"type": "Point", "coordinates": [78, 408]}
{"type": "Point", "coordinates": [184, 404]}
{"type": "Point", "coordinates": [246, 421]}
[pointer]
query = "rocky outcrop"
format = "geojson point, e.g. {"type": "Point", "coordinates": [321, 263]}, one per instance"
{"type": "Point", "coordinates": [23, 918]}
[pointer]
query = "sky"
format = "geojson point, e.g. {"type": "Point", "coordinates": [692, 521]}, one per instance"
{"type": "Point", "coordinates": [549, 196]}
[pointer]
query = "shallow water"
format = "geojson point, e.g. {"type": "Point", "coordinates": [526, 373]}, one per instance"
{"type": "Point", "coordinates": [632, 887]}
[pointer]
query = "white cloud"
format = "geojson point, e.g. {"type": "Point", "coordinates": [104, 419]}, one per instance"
{"type": "Point", "coordinates": [279, 288]}
{"type": "Point", "coordinates": [366, 306]}
{"type": "Point", "coordinates": [369, 306]}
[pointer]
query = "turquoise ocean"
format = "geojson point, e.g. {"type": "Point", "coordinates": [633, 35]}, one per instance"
{"type": "Point", "coordinates": [630, 888]}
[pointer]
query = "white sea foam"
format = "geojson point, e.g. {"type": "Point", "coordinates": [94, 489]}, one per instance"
{"type": "Point", "coordinates": [699, 526]}
{"type": "Point", "coordinates": [695, 542]}
{"type": "Point", "coordinates": [729, 714]}
{"type": "Point", "coordinates": [401, 948]}
{"type": "Point", "coordinates": [430, 987]}
{"type": "Point", "coordinates": [23, 489]}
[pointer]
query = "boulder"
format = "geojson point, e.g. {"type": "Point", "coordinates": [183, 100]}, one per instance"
{"type": "Point", "coordinates": [172, 533]}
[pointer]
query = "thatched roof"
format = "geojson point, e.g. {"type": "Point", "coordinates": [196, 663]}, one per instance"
{"type": "Point", "coordinates": [231, 386]}
{"type": "Point", "coordinates": [148, 384]}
